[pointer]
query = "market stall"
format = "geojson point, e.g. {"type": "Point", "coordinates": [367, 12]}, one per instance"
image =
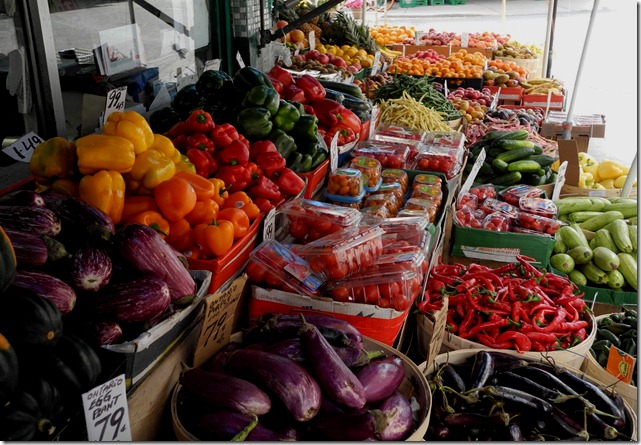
{"type": "Point", "coordinates": [289, 253]}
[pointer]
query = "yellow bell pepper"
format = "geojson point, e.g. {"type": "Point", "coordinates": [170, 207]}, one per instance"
{"type": "Point", "coordinates": [610, 170]}
{"type": "Point", "coordinates": [54, 158]}
{"type": "Point", "coordinates": [607, 183]}
{"type": "Point", "coordinates": [593, 169]}
{"type": "Point", "coordinates": [586, 180]}
{"type": "Point", "coordinates": [106, 191]}
{"type": "Point", "coordinates": [620, 181]}
{"type": "Point", "coordinates": [130, 125]}
{"type": "Point", "coordinates": [185, 165]}
{"type": "Point", "coordinates": [150, 169]}
{"type": "Point", "coordinates": [597, 186]}
{"type": "Point", "coordinates": [102, 152]}
{"type": "Point", "coordinates": [586, 159]}
{"type": "Point", "coordinates": [164, 145]}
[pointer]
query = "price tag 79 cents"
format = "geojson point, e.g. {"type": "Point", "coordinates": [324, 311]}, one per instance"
{"type": "Point", "coordinates": [312, 40]}
{"type": "Point", "coordinates": [269, 225]}
{"type": "Point", "coordinates": [115, 101]}
{"type": "Point", "coordinates": [106, 412]}
{"type": "Point", "coordinates": [22, 149]}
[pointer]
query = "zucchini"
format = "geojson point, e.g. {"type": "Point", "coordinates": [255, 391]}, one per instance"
{"type": "Point", "coordinates": [542, 160]}
{"type": "Point", "coordinates": [524, 166]}
{"type": "Point", "coordinates": [341, 87]}
{"type": "Point", "coordinates": [511, 144]}
{"type": "Point", "coordinates": [628, 267]}
{"type": "Point", "coordinates": [334, 95]}
{"type": "Point", "coordinates": [516, 155]}
{"type": "Point", "coordinates": [507, 179]}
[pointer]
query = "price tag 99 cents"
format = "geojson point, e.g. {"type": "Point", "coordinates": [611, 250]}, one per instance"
{"type": "Point", "coordinates": [22, 149]}
{"type": "Point", "coordinates": [333, 153]}
{"type": "Point", "coordinates": [115, 101]}
{"type": "Point", "coordinates": [269, 227]}
{"type": "Point", "coordinates": [464, 40]}
{"type": "Point", "coordinates": [106, 412]}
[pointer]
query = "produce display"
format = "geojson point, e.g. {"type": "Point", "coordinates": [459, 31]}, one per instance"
{"type": "Point", "coordinates": [606, 174]}
{"type": "Point", "coordinates": [473, 104]}
{"type": "Point", "coordinates": [619, 331]}
{"type": "Point", "coordinates": [517, 50]}
{"type": "Point", "coordinates": [490, 395]}
{"type": "Point", "coordinates": [459, 64]}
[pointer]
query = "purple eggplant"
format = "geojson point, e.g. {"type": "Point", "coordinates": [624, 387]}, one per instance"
{"type": "Point", "coordinates": [290, 348]}
{"type": "Point", "coordinates": [381, 378]}
{"type": "Point", "coordinates": [30, 249]}
{"type": "Point", "coordinates": [334, 377]}
{"type": "Point", "coordinates": [79, 217]}
{"type": "Point", "coordinates": [290, 324]}
{"type": "Point", "coordinates": [398, 413]}
{"type": "Point", "coordinates": [22, 197]}
{"type": "Point", "coordinates": [291, 383]}
{"type": "Point", "coordinates": [90, 269]}
{"type": "Point", "coordinates": [360, 426]}
{"type": "Point", "coordinates": [47, 286]}
{"type": "Point", "coordinates": [222, 391]}
{"type": "Point", "coordinates": [226, 425]}
{"type": "Point", "coordinates": [36, 220]}
{"type": "Point", "coordinates": [140, 299]}
{"type": "Point", "coordinates": [216, 362]}
{"type": "Point", "coordinates": [106, 332]}
{"type": "Point", "coordinates": [145, 250]}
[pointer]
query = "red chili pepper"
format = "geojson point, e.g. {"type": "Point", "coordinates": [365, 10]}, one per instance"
{"type": "Point", "coordinates": [425, 307]}
{"type": "Point", "coordinates": [491, 343]}
{"type": "Point", "coordinates": [259, 147]}
{"type": "Point", "coordinates": [559, 316]}
{"type": "Point", "coordinates": [311, 87]}
{"type": "Point", "coordinates": [569, 326]}
{"type": "Point", "coordinates": [500, 323]}
{"type": "Point", "coordinates": [475, 268]}
{"type": "Point", "coordinates": [541, 337]}
{"type": "Point", "coordinates": [204, 163]}
{"type": "Point", "coordinates": [289, 182]}
{"type": "Point", "coordinates": [453, 327]}
{"type": "Point", "coordinates": [521, 342]}
{"type": "Point", "coordinates": [199, 121]}
{"type": "Point", "coordinates": [529, 267]}
{"type": "Point", "coordinates": [265, 188]}
{"type": "Point", "coordinates": [224, 134]}
{"type": "Point", "coordinates": [539, 347]}
{"type": "Point", "coordinates": [506, 269]}
{"type": "Point", "coordinates": [468, 321]}
{"type": "Point", "coordinates": [449, 269]}
{"type": "Point", "coordinates": [435, 285]}
{"type": "Point", "coordinates": [236, 153]}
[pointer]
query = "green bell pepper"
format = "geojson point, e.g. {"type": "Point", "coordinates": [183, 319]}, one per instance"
{"type": "Point", "coordinates": [293, 160]}
{"type": "Point", "coordinates": [254, 122]}
{"type": "Point", "coordinates": [248, 77]}
{"type": "Point", "coordinates": [211, 82]}
{"type": "Point", "coordinates": [305, 163]}
{"type": "Point", "coordinates": [306, 128]}
{"type": "Point", "coordinates": [308, 147]}
{"type": "Point", "coordinates": [318, 158]}
{"type": "Point", "coordinates": [262, 96]}
{"type": "Point", "coordinates": [286, 117]}
{"type": "Point", "coordinates": [299, 106]}
{"type": "Point", "coordinates": [284, 143]}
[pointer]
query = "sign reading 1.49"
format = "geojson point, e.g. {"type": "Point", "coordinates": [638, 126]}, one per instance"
{"type": "Point", "coordinates": [106, 412]}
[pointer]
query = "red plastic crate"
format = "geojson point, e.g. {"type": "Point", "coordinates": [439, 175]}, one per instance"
{"type": "Point", "coordinates": [315, 179]}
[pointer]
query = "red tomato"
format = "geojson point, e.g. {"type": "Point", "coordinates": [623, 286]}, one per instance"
{"type": "Point", "coordinates": [255, 272]}
{"type": "Point", "coordinates": [341, 293]}
{"type": "Point", "coordinates": [372, 295]}
{"type": "Point", "coordinates": [322, 225]}
{"type": "Point", "coordinates": [337, 272]}
{"type": "Point", "coordinates": [297, 228]}
{"type": "Point", "coordinates": [400, 302]}
{"type": "Point", "coordinates": [314, 234]}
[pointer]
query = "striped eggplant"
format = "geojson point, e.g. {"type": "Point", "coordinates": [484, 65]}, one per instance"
{"type": "Point", "coordinates": [145, 250]}
{"type": "Point", "coordinates": [291, 383]}
{"type": "Point", "coordinates": [30, 249]}
{"type": "Point", "coordinates": [398, 413]}
{"type": "Point", "coordinates": [78, 217]}
{"type": "Point", "coordinates": [47, 286]}
{"type": "Point", "coordinates": [106, 332]}
{"type": "Point", "coordinates": [380, 378]}
{"type": "Point", "coordinates": [334, 377]}
{"type": "Point", "coordinates": [36, 220]}
{"type": "Point", "coordinates": [139, 299]}
{"type": "Point", "coordinates": [351, 356]}
{"type": "Point", "coordinates": [290, 324]}
{"type": "Point", "coordinates": [22, 197]}
{"type": "Point", "coordinates": [90, 269]}
{"type": "Point", "coordinates": [222, 391]}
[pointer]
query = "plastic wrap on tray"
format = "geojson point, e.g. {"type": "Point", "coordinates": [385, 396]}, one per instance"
{"type": "Point", "coordinates": [396, 175]}
{"type": "Point", "coordinates": [385, 200]}
{"type": "Point", "coordinates": [449, 139]}
{"type": "Point", "coordinates": [310, 220]}
{"type": "Point", "coordinates": [346, 182]}
{"type": "Point", "coordinates": [468, 200]}
{"type": "Point", "coordinates": [538, 223]}
{"type": "Point", "coordinates": [371, 169]}
{"type": "Point", "coordinates": [483, 192]}
{"type": "Point", "coordinates": [497, 221]}
{"type": "Point", "coordinates": [343, 253]}
{"type": "Point", "coordinates": [538, 206]}
{"type": "Point", "coordinates": [274, 265]}
{"type": "Point", "coordinates": [389, 154]}
{"type": "Point", "coordinates": [513, 194]}
{"type": "Point", "coordinates": [491, 205]}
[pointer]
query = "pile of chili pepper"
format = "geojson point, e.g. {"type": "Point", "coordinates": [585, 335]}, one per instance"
{"type": "Point", "coordinates": [515, 306]}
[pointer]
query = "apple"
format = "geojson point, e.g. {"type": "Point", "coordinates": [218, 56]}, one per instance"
{"type": "Point", "coordinates": [338, 61]}
{"type": "Point", "coordinates": [312, 54]}
{"type": "Point", "coordinates": [323, 58]}
{"type": "Point", "coordinates": [352, 69]}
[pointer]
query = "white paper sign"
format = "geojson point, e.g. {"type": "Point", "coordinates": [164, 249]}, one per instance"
{"type": "Point", "coordinates": [560, 180]}
{"type": "Point", "coordinates": [240, 60]}
{"type": "Point", "coordinates": [372, 121]}
{"type": "Point", "coordinates": [22, 149]}
{"type": "Point", "coordinates": [269, 226]}
{"type": "Point", "coordinates": [312, 40]}
{"type": "Point", "coordinates": [212, 65]}
{"type": "Point", "coordinates": [333, 153]}
{"type": "Point", "coordinates": [472, 176]}
{"type": "Point", "coordinates": [464, 40]}
{"type": "Point", "coordinates": [106, 412]}
{"type": "Point", "coordinates": [115, 101]}
{"type": "Point", "coordinates": [375, 64]}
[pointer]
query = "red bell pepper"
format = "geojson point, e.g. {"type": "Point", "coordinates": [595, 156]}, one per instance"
{"type": "Point", "coordinates": [223, 135]}
{"type": "Point", "coordinates": [235, 153]}
{"type": "Point", "coordinates": [330, 113]}
{"type": "Point", "coordinates": [259, 147]}
{"type": "Point", "coordinates": [289, 182]}
{"type": "Point", "coordinates": [199, 121]}
{"type": "Point", "coordinates": [200, 141]}
{"type": "Point", "coordinates": [311, 87]}
{"type": "Point", "coordinates": [254, 170]}
{"type": "Point", "coordinates": [204, 162]}
{"type": "Point", "coordinates": [309, 110]}
{"type": "Point", "coordinates": [178, 129]}
{"type": "Point", "coordinates": [235, 177]}
{"type": "Point", "coordinates": [265, 188]}
{"type": "Point", "coordinates": [244, 140]}
{"type": "Point", "coordinates": [270, 163]}
{"type": "Point", "coordinates": [292, 92]}
{"type": "Point", "coordinates": [345, 135]}
{"type": "Point", "coordinates": [281, 74]}
{"type": "Point", "coordinates": [264, 205]}
{"type": "Point", "coordinates": [277, 84]}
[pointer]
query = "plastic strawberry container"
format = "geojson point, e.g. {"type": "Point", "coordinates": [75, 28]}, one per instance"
{"type": "Point", "coordinates": [513, 194]}
{"type": "Point", "coordinates": [344, 253]}
{"type": "Point", "coordinates": [389, 154]}
{"type": "Point", "coordinates": [346, 182]}
{"type": "Point", "coordinates": [538, 206]}
{"type": "Point", "coordinates": [538, 223]}
{"type": "Point", "coordinates": [310, 220]}
{"type": "Point", "coordinates": [396, 175]}
{"type": "Point", "coordinates": [371, 169]}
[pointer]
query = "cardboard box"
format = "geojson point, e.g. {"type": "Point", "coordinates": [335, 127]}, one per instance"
{"type": "Point", "coordinates": [541, 100]}
{"type": "Point", "coordinates": [513, 94]}
{"type": "Point", "coordinates": [588, 125]}
{"type": "Point", "coordinates": [382, 324]}
{"type": "Point", "coordinates": [146, 351]}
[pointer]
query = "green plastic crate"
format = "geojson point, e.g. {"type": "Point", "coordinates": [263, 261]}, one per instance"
{"type": "Point", "coordinates": [408, 3]}
{"type": "Point", "coordinates": [455, 2]}
{"type": "Point", "coordinates": [435, 2]}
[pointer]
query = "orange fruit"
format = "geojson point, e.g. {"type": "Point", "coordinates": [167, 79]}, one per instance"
{"type": "Point", "coordinates": [297, 35]}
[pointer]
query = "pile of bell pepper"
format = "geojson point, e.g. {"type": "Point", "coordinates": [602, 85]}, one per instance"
{"type": "Point", "coordinates": [515, 306]}
{"type": "Point", "coordinates": [331, 117]}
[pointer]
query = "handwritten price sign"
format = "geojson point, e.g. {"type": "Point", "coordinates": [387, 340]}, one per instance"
{"type": "Point", "coordinates": [22, 149]}
{"type": "Point", "coordinates": [115, 101]}
{"type": "Point", "coordinates": [106, 412]}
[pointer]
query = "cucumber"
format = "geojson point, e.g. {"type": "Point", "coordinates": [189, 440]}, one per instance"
{"type": "Point", "coordinates": [499, 165]}
{"type": "Point", "coordinates": [598, 222]}
{"type": "Point", "coordinates": [507, 179]}
{"type": "Point", "coordinates": [341, 87]}
{"type": "Point", "coordinates": [334, 95]}
{"type": "Point", "coordinates": [355, 104]}
{"type": "Point", "coordinates": [524, 166]}
{"type": "Point", "coordinates": [496, 135]}
{"type": "Point", "coordinates": [538, 150]}
{"type": "Point", "coordinates": [486, 169]}
{"type": "Point", "coordinates": [511, 144]}
{"type": "Point", "coordinates": [628, 267]}
{"type": "Point", "coordinates": [628, 209]}
{"type": "Point", "coordinates": [516, 155]}
{"type": "Point", "coordinates": [494, 152]}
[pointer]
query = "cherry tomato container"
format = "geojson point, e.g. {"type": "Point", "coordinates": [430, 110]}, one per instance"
{"type": "Point", "coordinates": [346, 182]}
{"type": "Point", "coordinates": [513, 194]}
{"type": "Point", "coordinates": [497, 221]}
{"type": "Point", "coordinates": [426, 179]}
{"type": "Point", "coordinates": [396, 133]}
{"type": "Point", "coordinates": [448, 139]}
{"type": "Point", "coordinates": [431, 192]}
{"type": "Point", "coordinates": [343, 253]}
{"type": "Point", "coordinates": [411, 258]}
{"type": "Point", "coordinates": [538, 223]}
{"type": "Point", "coordinates": [412, 213]}
{"type": "Point", "coordinates": [389, 154]}
{"type": "Point", "coordinates": [376, 211]}
{"type": "Point", "coordinates": [467, 200]}
{"type": "Point", "coordinates": [393, 188]}
{"type": "Point", "coordinates": [309, 220]}
{"type": "Point", "coordinates": [492, 205]}
{"type": "Point", "coordinates": [371, 169]}
{"type": "Point", "coordinates": [483, 192]}
{"type": "Point", "coordinates": [276, 266]}
{"type": "Point", "coordinates": [439, 159]}
{"type": "Point", "coordinates": [538, 206]}
{"type": "Point", "coordinates": [385, 200]}
{"type": "Point", "coordinates": [467, 217]}
{"type": "Point", "coordinates": [396, 175]}
{"type": "Point", "coordinates": [426, 206]}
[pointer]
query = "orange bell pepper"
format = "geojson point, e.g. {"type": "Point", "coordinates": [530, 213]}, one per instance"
{"type": "Point", "coordinates": [204, 212]}
{"type": "Point", "coordinates": [65, 186]}
{"type": "Point", "coordinates": [238, 218]}
{"type": "Point", "coordinates": [154, 220]}
{"type": "Point", "coordinates": [135, 204]}
{"type": "Point", "coordinates": [215, 238]}
{"type": "Point", "coordinates": [106, 191]}
{"type": "Point", "coordinates": [241, 200]}
{"type": "Point", "coordinates": [181, 235]}
{"type": "Point", "coordinates": [204, 189]}
{"type": "Point", "coordinates": [175, 198]}
{"type": "Point", "coordinates": [220, 192]}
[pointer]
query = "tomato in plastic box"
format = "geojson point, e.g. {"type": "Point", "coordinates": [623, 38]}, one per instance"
{"type": "Point", "coordinates": [468, 200]}
{"type": "Point", "coordinates": [497, 221]}
{"type": "Point", "coordinates": [483, 192]}
{"type": "Point", "coordinates": [492, 205]}
{"type": "Point", "coordinates": [513, 194]}
{"type": "Point", "coordinates": [538, 223]}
